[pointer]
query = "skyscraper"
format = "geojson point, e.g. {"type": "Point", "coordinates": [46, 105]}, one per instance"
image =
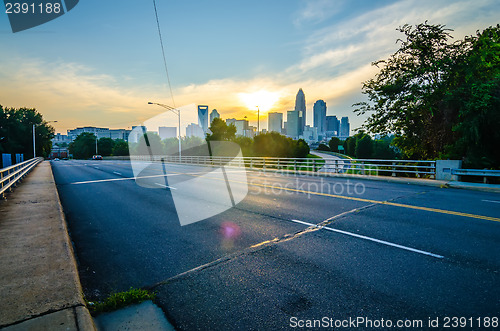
{"type": "Point", "coordinates": [344, 127]}
{"type": "Point", "coordinates": [293, 122]}
{"type": "Point", "coordinates": [167, 132]}
{"type": "Point", "coordinates": [275, 122]}
{"type": "Point", "coordinates": [332, 126]}
{"type": "Point", "coordinates": [300, 107]}
{"type": "Point", "coordinates": [213, 114]}
{"type": "Point", "coordinates": [203, 117]}
{"type": "Point", "coordinates": [319, 112]}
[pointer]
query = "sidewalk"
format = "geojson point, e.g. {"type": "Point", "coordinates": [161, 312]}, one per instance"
{"type": "Point", "coordinates": [39, 284]}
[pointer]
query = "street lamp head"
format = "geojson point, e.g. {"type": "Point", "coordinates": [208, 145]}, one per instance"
{"type": "Point", "coordinates": [150, 103]}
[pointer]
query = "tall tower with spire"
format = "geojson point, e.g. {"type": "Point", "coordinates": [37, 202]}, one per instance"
{"type": "Point", "coordinates": [300, 107]}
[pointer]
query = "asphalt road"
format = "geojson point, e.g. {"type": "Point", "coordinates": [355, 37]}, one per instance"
{"type": "Point", "coordinates": [401, 253]}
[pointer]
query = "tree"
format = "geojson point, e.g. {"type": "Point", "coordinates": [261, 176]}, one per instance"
{"type": "Point", "coordinates": [439, 98]}
{"type": "Point", "coordinates": [221, 131]}
{"type": "Point", "coordinates": [323, 147]}
{"type": "Point", "coordinates": [334, 144]}
{"type": "Point", "coordinates": [16, 132]}
{"type": "Point", "coordinates": [83, 147]}
{"type": "Point", "coordinates": [273, 144]}
{"type": "Point", "coordinates": [475, 91]}
{"type": "Point", "coordinates": [382, 149]}
{"type": "Point", "coordinates": [105, 146]}
{"type": "Point", "coordinates": [301, 149]}
{"type": "Point", "coordinates": [246, 145]}
{"type": "Point", "coordinates": [350, 146]}
{"type": "Point", "coordinates": [406, 95]}
{"type": "Point", "coordinates": [364, 146]}
{"type": "Point", "coordinates": [120, 148]}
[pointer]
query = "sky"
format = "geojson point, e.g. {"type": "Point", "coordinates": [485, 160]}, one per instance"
{"type": "Point", "coordinates": [100, 63]}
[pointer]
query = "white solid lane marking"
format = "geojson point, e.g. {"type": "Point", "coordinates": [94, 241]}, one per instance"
{"type": "Point", "coordinates": [163, 185]}
{"type": "Point", "coordinates": [374, 240]}
{"type": "Point", "coordinates": [116, 172]}
{"type": "Point", "coordinates": [491, 201]}
{"type": "Point", "coordinates": [128, 178]}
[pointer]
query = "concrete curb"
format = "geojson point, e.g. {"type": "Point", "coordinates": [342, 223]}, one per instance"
{"type": "Point", "coordinates": [39, 283]}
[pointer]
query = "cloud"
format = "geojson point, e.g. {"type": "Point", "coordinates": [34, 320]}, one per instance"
{"type": "Point", "coordinates": [317, 11]}
{"type": "Point", "coordinates": [335, 60]}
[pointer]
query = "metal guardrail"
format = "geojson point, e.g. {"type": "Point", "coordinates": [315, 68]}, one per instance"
{"type": "Point", "coordinates": [10, 176]}
{"type": "Point", "coordinates": [372, 167]}
{"type": "Point", "coordinates": [476, 172]}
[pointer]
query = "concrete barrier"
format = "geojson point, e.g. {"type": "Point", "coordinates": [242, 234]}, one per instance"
{"type": "Point", "coordinates": [39, 284]}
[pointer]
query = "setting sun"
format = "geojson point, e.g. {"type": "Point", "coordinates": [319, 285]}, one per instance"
{"type": "Point", "coordinates": [265, 100]}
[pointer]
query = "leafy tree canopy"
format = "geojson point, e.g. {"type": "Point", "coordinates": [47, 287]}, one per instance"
{"type": "Point", "coordinates": [439, 98]}
{"type": "Point", "coordinates": [16, 132]}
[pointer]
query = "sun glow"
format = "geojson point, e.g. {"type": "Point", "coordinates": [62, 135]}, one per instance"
{"type": "Point", "coordinates": [263, 99]}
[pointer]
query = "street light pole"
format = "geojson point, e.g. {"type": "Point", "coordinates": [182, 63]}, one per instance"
{"type": "Point", "coordinates": [178, 113]}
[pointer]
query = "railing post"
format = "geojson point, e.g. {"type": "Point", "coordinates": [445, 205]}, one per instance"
{"type": "Point", "coordinates": [314, 165]}
{"type": "Point", "coordinates": [295, 165]}
{"type": "Point", "coordinates": [393, 168]}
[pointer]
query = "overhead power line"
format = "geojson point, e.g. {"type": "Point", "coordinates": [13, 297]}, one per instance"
{"type": "Point", "coordinates": [163, 53]}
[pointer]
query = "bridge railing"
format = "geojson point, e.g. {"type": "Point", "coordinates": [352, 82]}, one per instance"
{"type": "Point", "coordinates": [476, 172]}
{"type": "Point", "coordinates": [370, 167]}
{"type": "Point", "coordinates": [11, 176]}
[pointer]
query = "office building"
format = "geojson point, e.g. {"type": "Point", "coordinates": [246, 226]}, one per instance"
{"type": "Point", "coordinates": [275, 122]}
{"type": "Point", "coordinates": [203, 117]}
{"type": "Point", "coordinates": [344, 128]}
{"type": "Point", "coordinates": [194, 130]}
{"type": "Point", "coordinates": [293, 121]}
{"type": "Point", "coordinates": [135, 135]}
{"type": "Point", "coordinates": [332, 126]}
{"type": "Point", "coordinates": [166, 132]}
{"type": "Point", "coordinates": [242, 128]}
{"type": "Point", "coordinates": [213, 114]}
{"type": "Point", "coordinates": [310, 134]}
{"type": "Point", "coordinates": [300, 107]}
{"type": "Point", "coordinates": [319, 114]}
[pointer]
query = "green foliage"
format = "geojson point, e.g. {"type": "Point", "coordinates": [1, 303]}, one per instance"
{"type": "Point", "coordinates": [221, 131]}
{"type": "Point", "coordinates": [334, 144]}
{"type": "Point", "coordinates": [83, 147]}
{"type": "Point", "coordinates": [364, 146]}
{"type": "Point", "coordinates": [439, 98]}
{"type": "Point", "coordinates": [300, 148]}
{"type": "Point", "coordinates": [323, 147]}
{"type": "Point", "coordinates": [171, 146]}
{"type": "Point", "coordinates": [119, 300]}
{"type": "Point", "coordinates": [16, 132]}
{"type": "Point", "coordinates": [246, 145]}
{"type": "Point", "coordinates": [105, 146]}
{"type": "Point", "coordinates": [475, 91]}
{"type": "Point", "coordinates": [120, 148]}
{"type": "Point", "coordinates": [350, 146]}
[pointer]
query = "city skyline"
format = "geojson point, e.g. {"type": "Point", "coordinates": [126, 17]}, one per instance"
{"type": "Point", "coordinates": [95, 68]}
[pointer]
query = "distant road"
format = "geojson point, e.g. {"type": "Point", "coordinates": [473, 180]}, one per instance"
{"type": "Point", "coordinates": [330, 159]}
{"type": "Point", "coordinates": [389, 251]}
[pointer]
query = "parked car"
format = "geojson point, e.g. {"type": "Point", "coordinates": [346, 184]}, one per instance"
{"type": "Point", "coordinates": [96, 157]}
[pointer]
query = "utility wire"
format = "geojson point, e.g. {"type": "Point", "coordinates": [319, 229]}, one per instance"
{"type": "Point", "coordinates": [163, 53]}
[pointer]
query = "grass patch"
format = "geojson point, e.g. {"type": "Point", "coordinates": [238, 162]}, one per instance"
{"type": "Point", "coordinates": [119, 300]}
